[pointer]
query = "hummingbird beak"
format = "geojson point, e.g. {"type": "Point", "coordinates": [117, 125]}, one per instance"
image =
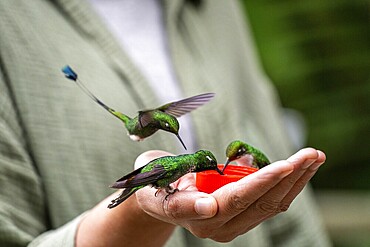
{"type": "Point", "coordinates": [183, 144]}
{"type": "Point", "coordinates": [219, 171]}
{"type": "Point", "coordinates": [226, 163]}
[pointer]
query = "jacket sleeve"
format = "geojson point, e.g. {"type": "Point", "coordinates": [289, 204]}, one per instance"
{"type": "Point", "coordinates": [23, 208]}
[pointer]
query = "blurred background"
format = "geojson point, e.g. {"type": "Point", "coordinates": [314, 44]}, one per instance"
{"type": "Point", "coordinates": [317, 53]}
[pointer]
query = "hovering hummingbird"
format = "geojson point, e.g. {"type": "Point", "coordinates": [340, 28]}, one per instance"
{"type": "Point", "coordinates": [147, 122]}
{"type": "Point", "coordinates": [245, 154]}
{"type": "Point", "coordinates": [161, 172]}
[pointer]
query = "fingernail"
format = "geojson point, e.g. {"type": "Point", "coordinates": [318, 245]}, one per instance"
{"type": "Point", "coordinates": [205, 207]}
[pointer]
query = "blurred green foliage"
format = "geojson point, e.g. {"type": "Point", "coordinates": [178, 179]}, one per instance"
{"type": "Point", "coordinates": [317, 53]}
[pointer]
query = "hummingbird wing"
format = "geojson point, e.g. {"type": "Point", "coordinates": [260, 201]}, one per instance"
{"type": "Point", "coordinates": [145, 118]}
{"type": "Point", "coordinates": [177, 108]}
{"type": "Point", "coordinates": [138, 178]}
{"type": "Point", "coordinates": [126, 193]}
{"type": "Point", "coordinates": [181, 107]}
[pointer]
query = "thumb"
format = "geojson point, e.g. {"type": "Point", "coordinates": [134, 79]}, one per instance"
{"type": "Point", "coordinates": [206, 207]}
{"type": "Point", "coordinates": [148, 156]}
{"type": "Point", "coordinates": [178, 207]}
{"type": "Point", "coordinates": [190, 205]}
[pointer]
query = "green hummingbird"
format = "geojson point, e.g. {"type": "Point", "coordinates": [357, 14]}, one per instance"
{"type": "Point", "coordinates": [245, 154]}
{"type": "Point", "coordinates": [147, 122]}
{"type": "Point", "coordinates": [161, 172]}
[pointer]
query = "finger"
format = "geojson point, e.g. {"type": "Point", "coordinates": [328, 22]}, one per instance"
{"type": "Point", "coordinates": [303, 160]}
{"type": "Point", "coordinates": [268, 205]}
{"type": "Point", "coordinates": [279, 198]}
{"type": "Point", "coordinates": [302, 181]}
{"type": "Point", "coordinates": [235, 216]}
{"type": "Point", "coordinates": [236, 197]}
{"type": "Point", "coordinates": [300, 162]}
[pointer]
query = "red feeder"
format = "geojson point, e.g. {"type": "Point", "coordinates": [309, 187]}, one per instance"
{"type": "Point", "coordinates": [209, 181]}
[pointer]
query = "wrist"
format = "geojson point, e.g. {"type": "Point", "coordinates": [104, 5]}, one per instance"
{"type": "Point", "coordinates": [124, 224]}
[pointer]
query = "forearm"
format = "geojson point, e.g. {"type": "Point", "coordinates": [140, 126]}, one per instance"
{"type": "Point", "coordinates": [125, 225]}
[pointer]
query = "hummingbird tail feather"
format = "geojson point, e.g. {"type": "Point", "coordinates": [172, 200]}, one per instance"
{"type": "Point", "coordinates": [70, 74]}
{"type": "Point", "coordinates": [126, 193]}
{"type": "Point", "coordinates": [120, 115]}
{"type": "Point", "coordinates": [118, 184]}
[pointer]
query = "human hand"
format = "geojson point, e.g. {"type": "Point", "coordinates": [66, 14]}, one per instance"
{"type": "Point", "coordinates": [237, 207]}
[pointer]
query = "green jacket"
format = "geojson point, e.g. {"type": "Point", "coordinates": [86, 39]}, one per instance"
{"type": "Point", "coordinates": [59, 151]}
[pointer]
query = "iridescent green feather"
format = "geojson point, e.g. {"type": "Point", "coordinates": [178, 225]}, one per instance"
{"type": "Point", "coordinates": [161, 172]}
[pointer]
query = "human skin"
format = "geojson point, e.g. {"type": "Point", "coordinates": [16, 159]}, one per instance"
{"type": "Point", "coordinates": [230, 211]}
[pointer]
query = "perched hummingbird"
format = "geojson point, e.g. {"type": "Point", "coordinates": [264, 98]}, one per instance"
{"type": "Point", "coordinates": [149, 121]}
{"type": "Point", "coordinates": [245, 154]}
{"type": "Point", "coordinates": [161, 172]}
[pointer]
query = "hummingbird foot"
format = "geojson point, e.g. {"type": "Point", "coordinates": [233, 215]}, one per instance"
{"type": "Point", "coordinates": [156, 193]}
{"type": "Point", "coordinates": [170, 191]}
{"type": "Point", "coordinates": [136, 138]}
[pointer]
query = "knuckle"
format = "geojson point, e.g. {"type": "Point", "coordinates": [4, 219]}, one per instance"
{"type": "Point", "coordinates": [300, 183]}
{"type": "Point", "coordinates": [267, 206]}
{"type": "Point", "coordinates": [291, 181]}
{"type": "Point", "coordinates": [272, 207]}
{"type": "Point", "coordinates": [284, 207]}
{"type": "Point", "coordinates": [236, 203]}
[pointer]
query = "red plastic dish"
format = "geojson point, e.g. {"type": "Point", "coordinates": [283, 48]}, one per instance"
{"type": "Point", "coordinates": [209, 181]}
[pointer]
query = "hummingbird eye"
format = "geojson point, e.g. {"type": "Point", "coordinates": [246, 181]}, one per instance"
{"type": "Point", "coordinates": [211, 160]}
{"type": "Point", "coordinates": [241, 151]}
{"type": "Point", "coordinates": [167, 125]}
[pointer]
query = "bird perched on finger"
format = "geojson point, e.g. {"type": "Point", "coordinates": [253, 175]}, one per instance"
{"type": "Point", "coordinates": [147, 122]}
{"type": "Point", "coordinates": [161, 172]}
{"type": "Point", "coordinates": [245, 154]}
